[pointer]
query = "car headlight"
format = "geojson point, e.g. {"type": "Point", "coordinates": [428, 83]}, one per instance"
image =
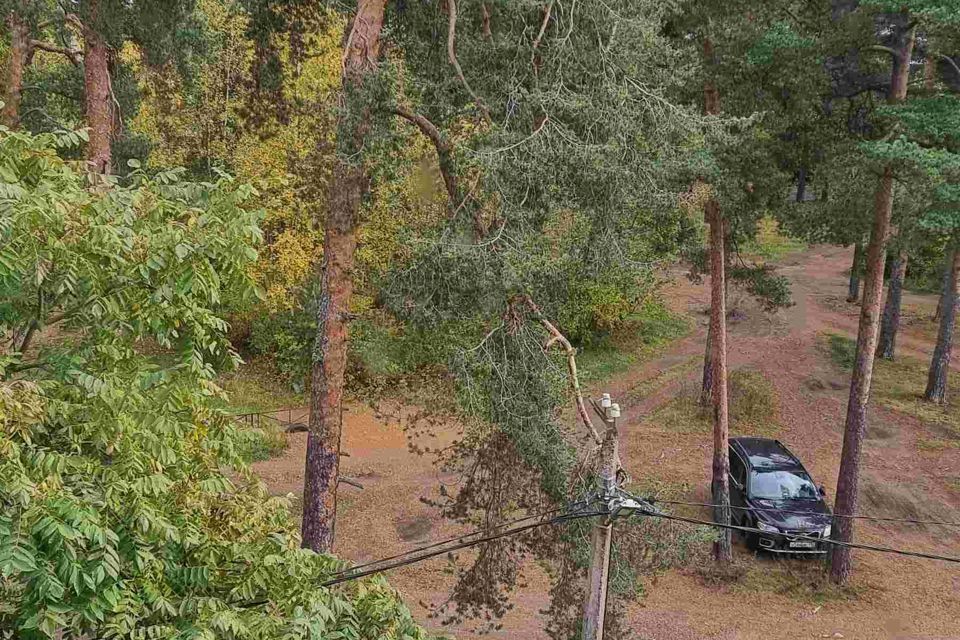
{"type": "Point", "coordinates": [826, 531]}
{"type": "Point", "coordinates": [769, 528]}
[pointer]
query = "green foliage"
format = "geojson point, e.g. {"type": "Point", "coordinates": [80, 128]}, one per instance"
{"type": "Point", "coordinates": [118, 519]}
{"type": "Point", "coordinates": [254, 445]}
{"type": "Point", "coordinates": [762, 282]}
{"type": "Point", "coordinates": [842, 350]}
{"type": "Point", "coordinates": [754, 408]}
{"type": "Point", "coordinates": [636, 338]}
{"type": "Point", "coordinates": [943, 11]}
{"type": "Point", "coordinates": [770, 243]}
{"type": "Point", "coordinates": [780, 36]}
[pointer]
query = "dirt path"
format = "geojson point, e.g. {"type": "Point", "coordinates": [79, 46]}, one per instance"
{"type": "Point", "coordinates": [897, 597]}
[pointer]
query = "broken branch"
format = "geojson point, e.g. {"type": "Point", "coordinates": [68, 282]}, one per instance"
{"type": "Point", "coordinates": [571, 353]}
{"type": "Point", "coordinates": [452, 55]}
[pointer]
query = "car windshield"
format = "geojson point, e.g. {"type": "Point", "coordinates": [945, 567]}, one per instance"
{"type": "Point", "coordinates": [782, 485]}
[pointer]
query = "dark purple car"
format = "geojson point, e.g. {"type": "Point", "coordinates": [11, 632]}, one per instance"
{"type": "Point", "coordinates": [770, 490]}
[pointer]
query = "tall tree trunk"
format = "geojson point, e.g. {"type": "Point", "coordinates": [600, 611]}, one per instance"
{"type": "Point", "coordinates": [801, 184]}
{"type": "Point", "coordinates": [16, 65]}
{"type": "Point", "coordinates": [940, 363]}
{"type": "Point", "coordinates": [891, 311]}
{"type": "Point", "coordinates": [718, 323]}
{"type": "Point", "coordinates": [97, 94]}
{"type": "Point", "coordinates": [706, 383]}
{"type": "Point", "coordinates": [848, 481]}
{"type": "Point", "coordinates": [348, 187]}
{"type": "Point", "coordinates": [853, 290]}
{"type": "Point", "coordinates": [716, 365]}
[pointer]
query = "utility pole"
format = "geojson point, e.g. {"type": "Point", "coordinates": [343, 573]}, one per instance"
{"type": "Point", "coordinates": [602, 534]}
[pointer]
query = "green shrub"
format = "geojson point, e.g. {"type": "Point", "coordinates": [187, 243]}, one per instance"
{"type": "Point", "coordinates": [117, 516]}
{"type": "Point", "coordinates": [843, 350]}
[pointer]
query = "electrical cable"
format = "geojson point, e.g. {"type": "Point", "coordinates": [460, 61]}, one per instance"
{"type": "Point", "coordinates": [448, 541]}
{"type": "Point", "coordinates": [353, 575]}
{"type": "Point", "coordinates": [852, 545]}
{"type": "Point", "coordinates": [941, 523]}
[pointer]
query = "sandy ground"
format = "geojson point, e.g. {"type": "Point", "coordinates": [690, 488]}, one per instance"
{"type": "Point", "coordinates": [897, 597]}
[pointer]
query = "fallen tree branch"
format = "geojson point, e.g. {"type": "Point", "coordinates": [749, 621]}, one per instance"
{"type": "Point", "coordinates": [452, 55]}
{"type": "Point", "coordinates": [571, 353]}
{"type": "Point", "coordinates": [351, 482]}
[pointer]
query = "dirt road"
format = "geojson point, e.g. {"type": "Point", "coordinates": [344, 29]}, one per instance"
{"type": "Point", "coordinates": [896, 597]}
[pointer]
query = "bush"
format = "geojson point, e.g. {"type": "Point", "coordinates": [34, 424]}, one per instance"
{"type": "Point", "coordinates": [117, 516]}
{"type": "Point", "coordinates": [843, 350]}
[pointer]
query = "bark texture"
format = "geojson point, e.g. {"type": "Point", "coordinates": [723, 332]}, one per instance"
{"type": "Point", "coordinates": [17, 61]}
{"type": "Point", "coordinates": [348, 187]}
{"type": "Point", "coordinates": [853, 291]}
{"type": "Point", "coordinates": [848, 481]}
{"type": "Point", "coordinates": [706, 383]}
{"type": "Point", "coordinates": [721, 462]}
{"type": "Point", "coordinates": [98, 97]}
{"type": "Point", "coordinates": [940, 363]}
{"type": "Point", "coordinates": [891, 310]}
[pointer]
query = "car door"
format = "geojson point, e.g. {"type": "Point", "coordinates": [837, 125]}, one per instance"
{"type": "Point", "coordinates": [738, 487]}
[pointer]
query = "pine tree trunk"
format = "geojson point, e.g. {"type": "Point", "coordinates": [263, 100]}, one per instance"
{"type": "Point", "coordinates": [348, 187]}
{"type": "Point", "coordinates": [16, 65]}
{"type": "Point", "coordinates": [706, 387]}
{"type": "Point", "coordinates": [853, 291]}
{"type": "Point", "coordinates": [940, 363]}
{"type": "Point", "coordinates": [891, 311]}
{"type": "Point", "coordinates": [721, 462]}
{"type": "Point", "coordinates": [97, 95]}
{"type": "Point", "coordinates": [848, 481]}
{"type": "Point", "coordinates": [715, 363]}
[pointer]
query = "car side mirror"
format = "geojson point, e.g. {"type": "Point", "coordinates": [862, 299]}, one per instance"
{"type": "Point", "coordinates": [822, 490]}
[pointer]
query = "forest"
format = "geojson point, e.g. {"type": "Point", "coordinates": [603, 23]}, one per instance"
{"type": "Point", "coordinates": [423, 319]}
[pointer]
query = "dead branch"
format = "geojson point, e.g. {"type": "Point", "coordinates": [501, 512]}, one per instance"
{"type": "Point", "coordinates": [487, 31]}
{"type": "Point", "coordinates": [452, 55]}
{"type": "Point", "coordinates": [350, 481]}
{"type": "Point", "coordinates": [72, 54]}
{"type": "Point", "coordinates": [949, 61]}
{"type": "Point", "coordinates": [543, 29]}
{"type": "Point", "coordinates": [442, 147]}
{"type": "Point", "coordinates": [571, 353]}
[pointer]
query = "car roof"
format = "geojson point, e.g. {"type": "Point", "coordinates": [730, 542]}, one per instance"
{"type": "Point", "coordinates": [766, 453]}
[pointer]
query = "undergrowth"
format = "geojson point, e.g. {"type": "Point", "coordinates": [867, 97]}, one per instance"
{"type": "Point", "coordinates": [803, 580]}
{"type": "Point", "coordinates": [770, 243]}
{"type": "Point", "coordinates": [899, 385]}
{"type": "Point", "coordinates": [753, 408]}
{"type": "Point", "coordinates": [640, 337]}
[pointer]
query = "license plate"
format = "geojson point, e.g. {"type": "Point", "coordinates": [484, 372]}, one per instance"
{"type": "Point", "coordinates": [802, 544]}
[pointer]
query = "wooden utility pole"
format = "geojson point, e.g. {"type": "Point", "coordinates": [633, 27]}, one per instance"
{"type": "Point", "coordinates": [596, 602]}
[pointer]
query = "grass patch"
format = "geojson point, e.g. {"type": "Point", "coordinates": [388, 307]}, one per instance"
{"type": "Point", "coordinates": [770, 244]}
{"type": "Point", "coordinates": [900, 500]}
{"type": "Point", "coordinates": [255, 388]}
{"type": "Point", "coordinates": [802, 580]}
{"type": "Point", "coordinates": [954, 484]}
{"type": "Point", "coordinates": [753, 407]}
{"type": "Point", "coordinates": [263, 443]}
{"type": "Point", "coordinates": [663, 377]}
{"type": "Point", "coordinates": [935, 444]}
{"type": "Point", "coordinates": [641, 336]}
{"type": "Point", "coordinates": [842, 350]}
{"type": "Point", "coordinates": [899, 385]}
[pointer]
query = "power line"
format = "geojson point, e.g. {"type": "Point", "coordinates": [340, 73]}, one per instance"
{"type": "Point", "coordinates": [836, 515]}
{"type": "Point", "coordinates": [447, 541]}
{"type": "Point", "coordinates": [353, 575]}
{"type": "Point", "coordinates": [852, 545]}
